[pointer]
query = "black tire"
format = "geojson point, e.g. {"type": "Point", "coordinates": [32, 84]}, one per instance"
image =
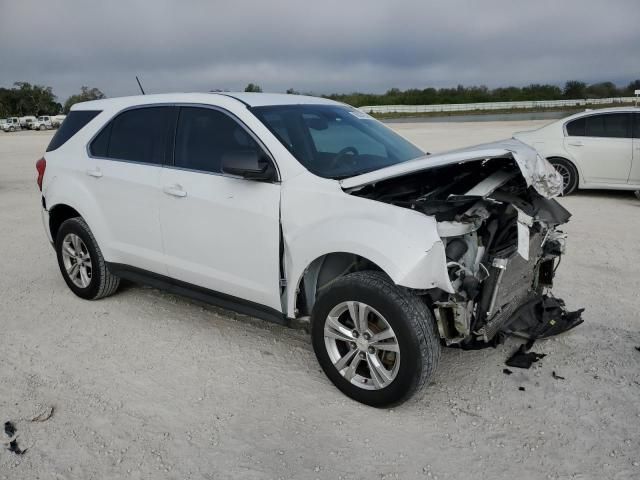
{"type": "Point", "coordinates": [408, 316]}
{"type": "Point", "coordinates": [569, 174]}
{"type": "Point", "coordinates": [12, 129]}
{"type": "Point", "coordinates": [43, 127]}
{"type": "Point", "coordinates": [103, 283]}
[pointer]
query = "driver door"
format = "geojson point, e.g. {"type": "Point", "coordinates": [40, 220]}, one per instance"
{"type": "Point", "coordinates": [219, 232]}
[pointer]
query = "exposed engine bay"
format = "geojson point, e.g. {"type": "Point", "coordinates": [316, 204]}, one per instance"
{"type": "Point", "coordinates": [503, 245]}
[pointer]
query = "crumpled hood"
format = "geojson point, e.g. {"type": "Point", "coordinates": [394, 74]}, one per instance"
{"type": "Point", "coordinates": [537, 172]}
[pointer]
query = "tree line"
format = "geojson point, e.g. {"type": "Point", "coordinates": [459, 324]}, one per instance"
{"type": "Point", "coordinates": [572, 90]}
{"type": "Point", "coordinates": [26, 99]}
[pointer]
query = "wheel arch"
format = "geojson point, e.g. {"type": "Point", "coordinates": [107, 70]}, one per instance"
{"type": "Point", "coordinates": [322, 272]}
{"type": "Point", "coordinates": [58, 214]}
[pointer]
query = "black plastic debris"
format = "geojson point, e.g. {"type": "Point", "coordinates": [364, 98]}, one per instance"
{"type": "Point", "coordinates": [638, 348]}
{"type": "Point", "coordinates": [9, 429]}
{"type": "Point", "coordinates": [13, 447]}
{"type": "Point", "coordinates": [543, 317]}
{"type": "Point", "coordinates": [521, 389]}
{"type": "Point", "coordinates": [523, 359]}
{"type": "Point", "coordinates": [506, 371]}
{"type": "Point", "coordinates": [556, 376]}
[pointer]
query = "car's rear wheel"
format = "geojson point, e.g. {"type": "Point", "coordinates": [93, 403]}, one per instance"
{"type": "Point", "coordinates": [376, 342]}
{"type": "Point", "coordinates": [81, 262]}
{"type": "Point", "coordinates": [568, 172]}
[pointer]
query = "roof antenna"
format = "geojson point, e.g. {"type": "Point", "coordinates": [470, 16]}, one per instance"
{"type": "Point", "coordinates": [140, 85]}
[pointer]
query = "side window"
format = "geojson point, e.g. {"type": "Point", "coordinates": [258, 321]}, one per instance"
{"type": "Point", "coordinates": [613, 125]}
{"type": "Point", "coordinates": [576, 128]}
{"type": "Point", "coordinates": [138, 135]}
{"type": "Point", "coordinates": [205, 135]}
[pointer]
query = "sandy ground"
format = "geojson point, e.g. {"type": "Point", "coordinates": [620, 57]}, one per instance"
{"type": "Point", "coordinates": [148, 385]}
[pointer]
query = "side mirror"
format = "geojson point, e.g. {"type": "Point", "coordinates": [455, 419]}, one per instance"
{"type": "Point", "coordinates": [248, 164]}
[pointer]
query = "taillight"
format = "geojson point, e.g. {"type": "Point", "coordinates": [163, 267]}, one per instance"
{"type": "Point", "coordinates": [41, 166]}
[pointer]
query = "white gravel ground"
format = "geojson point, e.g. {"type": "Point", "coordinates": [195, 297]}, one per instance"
{"type": "Point", "coordinates": [148, 385]}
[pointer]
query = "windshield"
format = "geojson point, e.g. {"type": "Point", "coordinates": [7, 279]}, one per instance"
{"type": "Point", "coordinates": [335, 141]}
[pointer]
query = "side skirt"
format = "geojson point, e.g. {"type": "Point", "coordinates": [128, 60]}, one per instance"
{"type": "Point", "coordinates": [195, 292]}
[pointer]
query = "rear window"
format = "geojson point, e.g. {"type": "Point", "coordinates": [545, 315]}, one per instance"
{"type": "Point", "coordinates": [138, 135]}
{"type": "Point", "coordinates": [70, 126]}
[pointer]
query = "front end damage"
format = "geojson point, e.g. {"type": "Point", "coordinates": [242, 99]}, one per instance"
{"type": "Point", "coordinates": [501, 229]}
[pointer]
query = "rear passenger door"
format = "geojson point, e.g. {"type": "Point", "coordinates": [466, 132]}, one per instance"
{"type": "Point", "coordinates": [220, 232]}
{"type": "Point", "coordinates": [126, 158]}
{"type": "Point", "coordinates": [602, 147]}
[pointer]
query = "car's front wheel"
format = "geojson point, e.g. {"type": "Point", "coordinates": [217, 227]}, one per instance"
{"type": "Point", "coordinates": [81, 262]}
{"type": "Point", "coordinates": [375, 341]}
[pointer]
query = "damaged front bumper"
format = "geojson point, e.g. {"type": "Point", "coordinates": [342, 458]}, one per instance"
{"type": "Point", "coordinates": [502, 270]}
{"type": "Point", "coordinates": [500, 226]}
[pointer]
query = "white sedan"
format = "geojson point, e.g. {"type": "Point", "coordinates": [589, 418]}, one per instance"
{"type": "Point", "coordinates": [592, 149]}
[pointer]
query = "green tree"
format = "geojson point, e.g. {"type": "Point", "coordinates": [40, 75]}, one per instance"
{"type": "Point", "coordinates": [26, 99]}
{"type": "Point", "coordinates": [574, 89]}
{"type": "Point", "coordinates": [253, 88]}
{"type": "Point", "coordinates": [602, 90]}
{"type": "Point", "coordinates": [632, 87]}
{"type": "Point", "coordinates": [86, 94]}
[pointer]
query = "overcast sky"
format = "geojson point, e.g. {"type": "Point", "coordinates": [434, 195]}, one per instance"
{"type": "Point", "coordinates": [315, 46]}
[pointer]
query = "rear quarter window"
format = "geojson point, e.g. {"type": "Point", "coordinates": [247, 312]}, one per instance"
{"type": "Point", "coordinates": [576, 128]}
{"type": "Point", "coordinates": [70, 126]}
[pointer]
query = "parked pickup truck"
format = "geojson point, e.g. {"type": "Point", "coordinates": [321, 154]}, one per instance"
{"type": "Point", "coordinates": [42, 123]}
{"type": "Point", "coordinates": [11, 124]}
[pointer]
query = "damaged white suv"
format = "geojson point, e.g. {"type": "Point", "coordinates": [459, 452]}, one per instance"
{"type": "Point", "coordinates": [286, 206]}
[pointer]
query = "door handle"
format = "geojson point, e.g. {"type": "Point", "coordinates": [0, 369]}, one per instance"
{"type": "Point", "coordinates": [94, 172]}
{"type": "Point", "coordinates": [576, 143]}
{"type": "Point", "coordinates": [175, 190]}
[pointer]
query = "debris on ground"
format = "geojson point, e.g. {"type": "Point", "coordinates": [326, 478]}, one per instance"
{"type": "Point", "coordinates": [544, 317]}
{"type": "Point", "coordinates": [521, 389]}
{"type": "Point", "coordinates": [556, 376]}
{"type": "Point", "coordinates": [13, 447]}
{"type": "Point", "coordinates": [523, 359]}
{"type": "Point", "coordinates": [9, 429]}
{"type": "Point", "coordinates": [638, 348]}
{"type": "Point", "coordinates": [43, 415]}
{"type": "Point", "coordinates": [506, 371]}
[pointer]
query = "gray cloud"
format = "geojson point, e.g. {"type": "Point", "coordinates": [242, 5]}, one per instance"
{"type": "Point", "coordinates": [328, 46]}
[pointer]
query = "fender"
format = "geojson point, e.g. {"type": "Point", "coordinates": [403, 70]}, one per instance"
{"type": "Point", "coordinates": [69, 190]}
{"type": "Point", "coordinates": [319, 218]}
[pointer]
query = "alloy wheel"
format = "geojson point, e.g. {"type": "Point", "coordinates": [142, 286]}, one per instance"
{"type": "Point", "coordinates": [77, 260]}
{"type": "Point", "coordinates": [362, 345]}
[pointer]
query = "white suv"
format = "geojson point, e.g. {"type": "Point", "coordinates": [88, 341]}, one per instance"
{"type": "Point", "coordinates": [286, 206]}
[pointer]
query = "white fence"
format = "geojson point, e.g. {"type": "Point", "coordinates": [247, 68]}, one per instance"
{"type": "Point", "coordinates": [466, 107]}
